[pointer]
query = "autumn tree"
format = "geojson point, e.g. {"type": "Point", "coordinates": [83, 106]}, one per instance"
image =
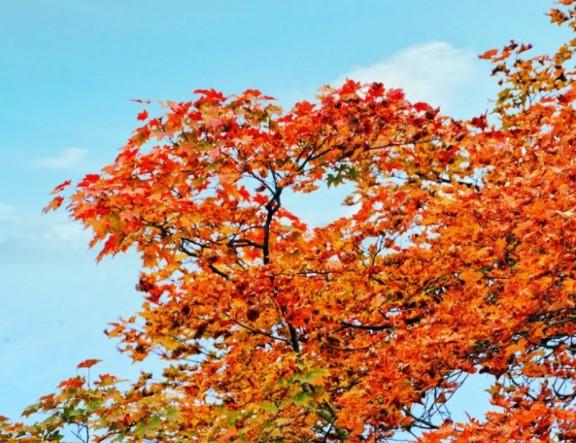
{"type": "Point", "coordinates": [458, 256]}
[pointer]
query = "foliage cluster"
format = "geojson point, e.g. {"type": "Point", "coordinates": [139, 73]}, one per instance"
{"type": "Point", "coordinates": [459, 257]}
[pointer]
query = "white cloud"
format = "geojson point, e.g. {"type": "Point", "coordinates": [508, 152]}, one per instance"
{"type": "Point", "coordinates": [435, 72]}
{"type": "Point", "coordinates": [31, 238]}
{"type": "Point", "coordinates": [68, 158]}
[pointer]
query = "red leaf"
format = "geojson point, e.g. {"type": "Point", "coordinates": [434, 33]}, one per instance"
{"type": "Point", "coordinates": [195, 116]}
{"type": "Point", "coordinates": [421, 106]}
{"type": "Point", "coordinates": [396, 94]}
{"type": "Point", "coordinates": [88, 180]}
{"type": "Point", "coordinates": [155, 123]}
{"type": "Point", "coordinates": [349, 87]}
{"type": "Point", "coordinates": [290, 216]}
{"type": "Point", "coordinates": [480, 122]}
{"type": "Point", "coordinates": [211, 95]}
{"type": "Point", "coordinates": [154, 295]}
{"type": "Point", "coordinates": [489, 54]}
{"type": "Point", "coordinates": [244, 193]}
{"type": "Point", "coordinates": [88, 363]}
{"type": "Point", "coordinates": [61, 187]}
{"type": "Point", "coordinates": [303, 108]}
{"type": "Point", "coordinates": [72, 383]}
{"type": "Point", "coordinates": [54, 204]}
{"type": "Point", "coordinates": [260, 199]}
{"type": "Point", "coordinates": [376, 90]}
{"type": "Point", "coordinates": [252, 92]}
{"type": "Point", "coordinates": [568, 97]}
{"type": "Point", "coordinates": [142, 115]}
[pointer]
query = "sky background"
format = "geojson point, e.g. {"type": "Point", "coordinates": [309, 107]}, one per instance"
{"type": "Point", "coordinates": [68, 69]}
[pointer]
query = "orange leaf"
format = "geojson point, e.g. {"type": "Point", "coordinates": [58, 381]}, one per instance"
{"type": "Point", "coordinates": [72, 383]}
{"type": "Point", "coordinates": [61, 186]}
{"type": "Point", "coordinates": [54, 204]}
{"type": "Point", "coordinates": [88, 180]}
{"type": "Point", "coordinates": [88, 363]}
{"type": "Point", "coordinates": [489, 54]}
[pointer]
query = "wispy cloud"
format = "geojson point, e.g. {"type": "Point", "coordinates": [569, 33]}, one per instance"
{"type": "Point", "coordinates": [435, 72]}
{"type": "Point", "coordinates": [67, 159]}
{"type": "Point", "coordinates": [32, 238]}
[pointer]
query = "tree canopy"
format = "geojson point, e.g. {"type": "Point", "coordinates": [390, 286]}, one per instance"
{"type": "Point", "coordinates": [457, 256]}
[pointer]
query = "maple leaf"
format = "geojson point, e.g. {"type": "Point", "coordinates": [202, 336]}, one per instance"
{"type": "Point", "coordinates": [480, 122]}
{"type": "Point", "coordinates": [54, 204]}
{"type": "Point", "coordinates": [88, 180]}
{"type": "Point", "coordinates": [244, 193]}
{"type": "Point", "coordinates": [59, 188]}
{"type": "Point", "coordinates": [568, 97]}
{"type": "Point", "coordinates": [72, 383]}
{"type": "Point", "coordinates": [395, 94]}
{"type": "Point", "coordinates": [421, 106]}
{"type": "Point", "coordinates": [350, 87]}
{"type": "Point", "coordinates": [88, 363]}
{"type": "Point", "coordinates": [488, 54]}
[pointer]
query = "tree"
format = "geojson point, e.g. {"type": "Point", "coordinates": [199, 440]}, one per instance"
{"type": "Point", "coordinates": [458, 257]}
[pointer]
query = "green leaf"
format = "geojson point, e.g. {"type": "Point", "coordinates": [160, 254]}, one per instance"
{"type": "Point", "coordinates": [232, 416]}
{"type": "Point", "coordinates": [303, 399]}
{"type": "Point", "coordinates": [268, 406]}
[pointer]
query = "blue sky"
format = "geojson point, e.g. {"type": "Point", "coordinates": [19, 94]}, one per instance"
{"type": "Point", "coordinates": [69, 68]}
